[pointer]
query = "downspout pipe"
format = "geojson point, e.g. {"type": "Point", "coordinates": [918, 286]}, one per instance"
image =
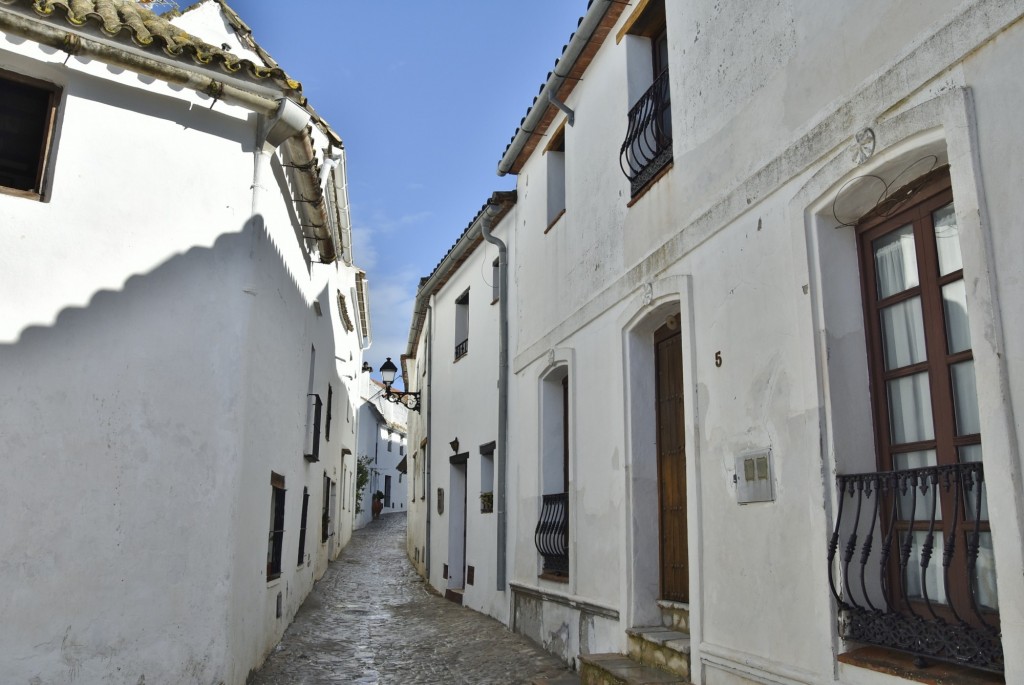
{"type": "Point", "coordinates": [549, 91]}
{"type": "Point", "coordinates": [490, 214]}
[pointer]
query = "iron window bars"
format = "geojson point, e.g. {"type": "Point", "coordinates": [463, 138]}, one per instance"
{"type": "Point", "coordinates": [900, 602]}
{"type": "Point", "coordinates": [552, 534]}
{"type": "Point", "coordinates": [647, 148]}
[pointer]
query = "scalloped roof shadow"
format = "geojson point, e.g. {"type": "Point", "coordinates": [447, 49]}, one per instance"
{"type": "Point", "coordinates": [127, 21]}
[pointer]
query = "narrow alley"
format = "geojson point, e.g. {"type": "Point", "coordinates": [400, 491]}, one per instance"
{"type": "Point", "coordinates": [372, 620]}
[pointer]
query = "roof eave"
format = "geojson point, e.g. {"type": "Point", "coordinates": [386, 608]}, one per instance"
{"type": "Point", "coordinates": [593, 28]}
{"type": "Point", "coordinates": [458, 254]}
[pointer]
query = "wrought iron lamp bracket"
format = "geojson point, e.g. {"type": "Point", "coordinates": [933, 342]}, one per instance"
{"type": "Point", "coordinates": [409, 399]}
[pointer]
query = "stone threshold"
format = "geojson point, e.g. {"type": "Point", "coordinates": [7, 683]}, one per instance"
{"type": "Point", "coordinates": [616, 669]}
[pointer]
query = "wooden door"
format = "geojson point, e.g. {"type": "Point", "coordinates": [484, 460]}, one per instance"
{"type": "Point", "coordinates": [675, 572]}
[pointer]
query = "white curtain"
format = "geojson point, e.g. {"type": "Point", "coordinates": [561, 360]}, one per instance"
{"type": "Point", "coordinates": [910, 409]}
{"type": "Point", "coordinates": [896, 262]}
{"type": "Point", "coordinates": [903, 334]}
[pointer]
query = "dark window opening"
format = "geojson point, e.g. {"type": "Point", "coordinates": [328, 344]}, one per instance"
{"type": "Point", "coordinates": [495, 281]}
{"type": "Point", "coordinates": [313, 415]}
{"type": "Point", "coordinates": [275, 543]}
{"type": "Point", "coordinates": [462, 325]}
{"type": "Point", "coordinates": [302, 527]}
{"type": "Point", "coordinates": [27, 116]}
{"type": "Point", "coordinates": [325, 515]}
{"type": "Point", "coordinates": [330, 402]}
{"type": "Point", "coordinates": [555, 156]}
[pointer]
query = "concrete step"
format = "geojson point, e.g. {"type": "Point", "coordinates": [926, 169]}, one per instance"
{"type": "Point", "coordinates": [454, 594]}
{"type": "Point", "coordinates": [675, 615]}
{"type": "Point", "coordinates": [616, 669]}
{"type": "Point", "coordinates": [660, 647]}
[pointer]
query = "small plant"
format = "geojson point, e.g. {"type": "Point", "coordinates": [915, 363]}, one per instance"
{"type": "Point", "coordinates": [486, 502]}
{"type": "Point", "coordinates": [378, 495]}
{"type": "Point", "coordinates": [362, 478]}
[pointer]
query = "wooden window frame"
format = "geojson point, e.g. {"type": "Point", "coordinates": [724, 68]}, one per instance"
{"type": "Point", "coordinates": [54, 92]}
{"type": "Point", "coordinates": [647, 20]}
{"type": "Point", "coordinates": [933, 195]}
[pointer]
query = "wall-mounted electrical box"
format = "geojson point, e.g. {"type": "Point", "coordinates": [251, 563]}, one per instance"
{"type": "Point", "coordinates": [754, 477]}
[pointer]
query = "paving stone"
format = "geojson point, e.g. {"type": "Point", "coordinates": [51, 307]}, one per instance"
{"type": "Point", "coordinates": [372, 620]}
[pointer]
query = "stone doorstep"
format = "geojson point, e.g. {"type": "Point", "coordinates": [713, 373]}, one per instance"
{"type": "Point", "coordinates": [616, 669]}
{"type": "Point", "coordinates": [675, 615]}
{"type": "Point", "coordinates": [660, 647]}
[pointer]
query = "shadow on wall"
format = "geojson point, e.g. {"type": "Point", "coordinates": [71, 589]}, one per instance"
{"type": "Point", "coordinates": [120, 427]}
{"type": "Point", "coordinates": [162, 107]}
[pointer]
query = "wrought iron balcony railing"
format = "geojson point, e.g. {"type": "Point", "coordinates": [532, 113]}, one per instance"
{"type": "Point", "coordinates": [894, 594]}
{"type": "Point", "coordinates": [461, 349]}
{"type": "Point", "coordinates": [552, 534]}
{"type": "Point", "coordinates": [648, 144]}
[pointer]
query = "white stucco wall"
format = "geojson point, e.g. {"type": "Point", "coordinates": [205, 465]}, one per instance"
{"type": "Point", "coordinates": [419, 448]}
{"type": "Point", "coordinates": [154, 362]}
{"type": "Point", "coordinates": [383, 445]}
{"type": "Point", "coordinates": [461, 403]}
{"type": "Point", "coordinates": [766, 100]}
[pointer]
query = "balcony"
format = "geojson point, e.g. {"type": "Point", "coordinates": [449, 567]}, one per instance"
{"type": "Point", "coordinates": [461, 349]}
{"type": "Point", "coordinates": [552, 535]}
{"type": "Point", "coordinates": [647, 148]}
{"type": "Point", "coordinates": [899, 596]}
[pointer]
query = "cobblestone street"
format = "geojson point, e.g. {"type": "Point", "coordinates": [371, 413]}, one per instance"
{"type": "Point", "coordinates": [372, 620]}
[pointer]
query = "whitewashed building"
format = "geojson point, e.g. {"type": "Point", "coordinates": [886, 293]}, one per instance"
{"type": "Point", "coordinates": [182, 328]}
{"type": "Point", "coordinates": [381, 448]}
{"type": "Point", "coordinates": [455, 533]}
{"type": "Point", "coordinates": [762, 266]}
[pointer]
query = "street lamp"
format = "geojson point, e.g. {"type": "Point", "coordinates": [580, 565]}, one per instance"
{"type": "Point", "coordinates": [388, 370]}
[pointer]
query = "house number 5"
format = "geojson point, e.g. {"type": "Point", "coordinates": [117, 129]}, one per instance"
{"type": "Point", "coordinates": [718, 358]}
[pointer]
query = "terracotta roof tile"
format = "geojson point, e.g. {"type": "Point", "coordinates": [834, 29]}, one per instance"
{"type": "Point", "coordinates": [127, 19]}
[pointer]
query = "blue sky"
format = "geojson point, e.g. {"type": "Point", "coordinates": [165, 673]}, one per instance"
{"type": "Point", "coordinates": [426, 96]}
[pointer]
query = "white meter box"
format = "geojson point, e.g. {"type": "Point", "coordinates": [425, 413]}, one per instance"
{"type": "Point", "coordinates": [754, 477]}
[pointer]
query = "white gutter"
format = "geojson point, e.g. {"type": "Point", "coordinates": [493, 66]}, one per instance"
{"type": "Point", "coordinates": [557, 77]}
